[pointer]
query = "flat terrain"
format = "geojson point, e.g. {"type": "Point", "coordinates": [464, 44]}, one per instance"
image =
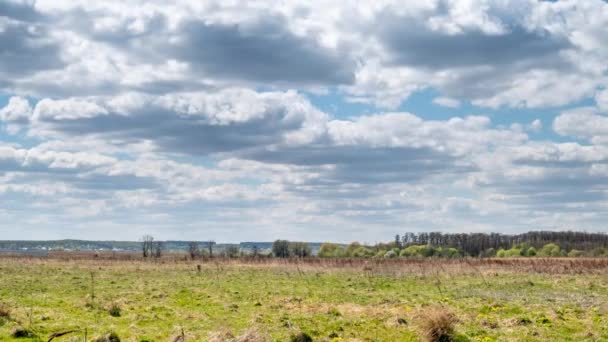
{"type": "Point", "coordinates": [336, 300]}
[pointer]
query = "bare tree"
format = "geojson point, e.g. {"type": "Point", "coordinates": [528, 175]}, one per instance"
{"type": "Point", "coordinates": [210, 248]}
{"type": "Point", "coordinates": [255, 251]}
{"type": "Point", "coordinates": [193, 250]}
{"type": "Point", "coordinates": [147, 242]}
{"type": "Point", "coordinates": [158, 249]}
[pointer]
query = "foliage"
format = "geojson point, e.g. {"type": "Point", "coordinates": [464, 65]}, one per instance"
{"type": "Point", "coordinates": [280, 248]}
{"type": "Point", "coordinates": [299, 249]}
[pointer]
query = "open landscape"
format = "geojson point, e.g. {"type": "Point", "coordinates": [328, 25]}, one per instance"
{"type": "Point", "coordinates": [257, 299]}
{"type": "Point", "coordinates": [303, 171]}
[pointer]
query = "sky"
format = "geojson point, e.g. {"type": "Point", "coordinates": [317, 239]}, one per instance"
{"type": "Point", "coordinates": [302, 120]}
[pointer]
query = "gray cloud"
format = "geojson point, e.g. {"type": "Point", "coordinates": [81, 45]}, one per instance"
{"type": "Point", "coordinates": [366, 165]}
{"type": "Point", "coordinates": [263, 52]}
{"type": "Point", "coordinates": [413, 43]}
{"type": "Point", "coordinates": [26, 49]}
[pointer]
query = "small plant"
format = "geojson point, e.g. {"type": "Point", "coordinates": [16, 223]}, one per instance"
{"type": "Point", "coordinates": [301, 337]}
{"type": "Point", "coordinates": [114, 310]}
{"type": "Point", "coordinates": [334, 312]}
{"type": "Point", "coordinates": [23, 333]}
{"type": "Point", "coordinates": [524, 321]}
{"type": "Point", "coordinates": [4, 312]}
{"type": "Point", "coordinates": [109, 337]}
{"type": "Point", "coordinates": [437, 325]}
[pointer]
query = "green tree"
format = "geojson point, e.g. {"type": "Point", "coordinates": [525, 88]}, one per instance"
{"type": "Point", "coordinates": [299, 249]}
{"type": "Point", "coordinates": [550, 250]}
{"type": "Point", "coordinates": [328, 250]}
{"type": "Point", "coordinates": [280, 248]}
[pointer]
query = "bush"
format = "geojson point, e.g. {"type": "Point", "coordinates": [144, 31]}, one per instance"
{"type": "Point", "coordinates": [328, 250]}
{"type": "Point", "coordinates": [22, 333]}
{"type": "Point", "coordinates": [5, 313]}
{"type": "Point", "coordinates": [301, 337]}
{"type": "Point", "coordinates": [362, 252]}
{"type": "Point", "coordinates": [109, 337]}
{"type": "Point", "coordinates": [550, 250]}
{"type": "Point", "coordinates": [437, 325]}
{"type": "Point", "coordinates": [390, 254]}
{"type": "Point", "coordinates": [114, 310]}
{"type": "Point", "coordinates": [575, 253]}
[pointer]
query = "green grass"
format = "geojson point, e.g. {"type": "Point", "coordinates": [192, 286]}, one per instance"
{"type": "Point", "coordinates": [156, 301]}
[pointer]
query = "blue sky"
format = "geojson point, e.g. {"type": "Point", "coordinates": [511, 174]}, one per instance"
{"type": "Point", "coordinates": [318, 121]}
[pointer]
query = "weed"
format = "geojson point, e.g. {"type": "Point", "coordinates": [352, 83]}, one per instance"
{"type": "Point", "coordinates": [109, 337]}
{"type": "Point", "coordinates": [23, 333]}
{"type": "Point", "coordinates": [301, 337]}
{"type": "Point", "coordinates": [114, 310]}
{"type": "Point", "coordinates": [437, 324]}
{"type": "Point", "coordinates": [5, 312]}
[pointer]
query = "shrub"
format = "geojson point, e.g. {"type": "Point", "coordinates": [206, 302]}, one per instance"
{"type": "Point", "coordinates": [109, 337]}
{"type": "Point", "coordinates": [513, 253]}
{"type": "Point", "coordinates": [437, 325]}
{"type": "Point", "coordinates": [22, 333]}
{"type": "Point", "coordinates": [301, 337]}
{"type": "Point", "coordinates": [362, 252]}
{"type": "Point", "coordinates": [114, 310]}
{"type": "Point", "coordinates": [5, 313]}
{"type": "Point", "coordinates": [575, 253]}
{"type": "Point", "coordinates": [390, 254]}
{"type": "Point", "coordinates": [550, 250]}
{"type": "Point", "coordinates": [328, 250]}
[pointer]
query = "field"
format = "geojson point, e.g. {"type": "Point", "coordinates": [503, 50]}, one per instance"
{"type": "Point", "coordinates": [329, 300]}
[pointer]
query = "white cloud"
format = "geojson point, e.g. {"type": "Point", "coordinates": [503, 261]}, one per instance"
{"type": "Point", "coordinates": [535, 126]}
{"type": "Point", "coordinates": [583, 123]}
{"type": "Point", "coordinates": [172, 117]}
{"type": "Point", "coordinates": [601, 99]}
{"type": "Point", "coordinates": [446, 102]}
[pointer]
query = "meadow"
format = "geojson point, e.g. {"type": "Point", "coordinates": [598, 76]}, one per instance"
{"type": "Point", "coordinates": [98, 299]}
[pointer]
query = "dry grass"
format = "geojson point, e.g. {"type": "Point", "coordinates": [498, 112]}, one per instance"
{"type": "Point", "coordinates": [437, 324]}
{"type": "Point", "coordinates": [251, 335]}
{"type": "Point", "coordinates": [371, 267]}
{"type": "Point", "coordinates": [5, 312]}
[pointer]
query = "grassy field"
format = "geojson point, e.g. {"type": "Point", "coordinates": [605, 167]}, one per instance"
{"type": "Point", "coordinates": [336, 300]}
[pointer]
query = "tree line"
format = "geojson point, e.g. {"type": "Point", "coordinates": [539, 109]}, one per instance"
{"type": "Point", "coordinates": [432, 244]}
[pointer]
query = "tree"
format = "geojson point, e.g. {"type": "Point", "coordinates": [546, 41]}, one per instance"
{"type": "Point", "coordinates": [280, 248]}
{"type": "Point", "coordinates": [398, 241]}
{"type": "Point", "coordinates": [232, 251]}
{"type": "Point", "coordinates": [255, 251]}
{"type": "Point", "coordinates": [157, 249]}
{"type": "Point", "coordinates": [210, 248]}
{"type": "Point", "coordinates": [328, 250]}
{"type": "Point", "coordinates": [351, 248]}
{"type": "Point", "coordinates": [147, 242]}
{"type": "Point", "coordinates": [550, 250]}
{"type": "Point", "coordinates": [299, 249]}
{"type": "Point", "coordinates": [193, 250]}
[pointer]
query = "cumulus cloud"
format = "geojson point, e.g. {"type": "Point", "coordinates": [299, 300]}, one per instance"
{"type": "Point", "coordinates": [446, 102]}
{"type": "Point", "coordinates": [26, 45]}
{"type": "Point", "coordinates": [166, 115]}
{"type": "Point", "coordinates": [584, 123]}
